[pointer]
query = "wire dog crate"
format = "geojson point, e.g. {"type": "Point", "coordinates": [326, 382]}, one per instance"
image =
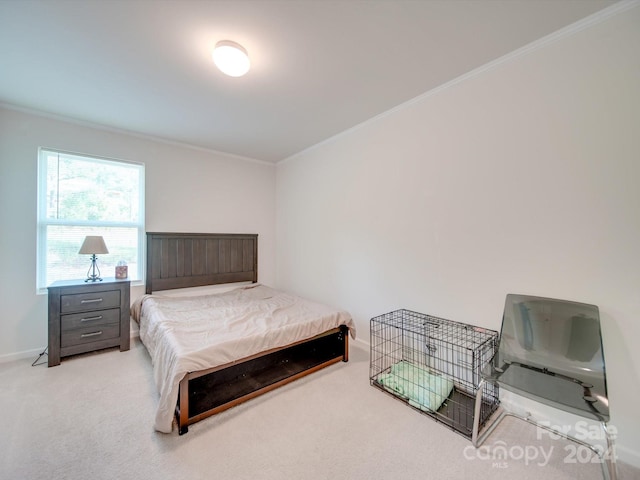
{"type": "Point", "coordinates": [434, 366]}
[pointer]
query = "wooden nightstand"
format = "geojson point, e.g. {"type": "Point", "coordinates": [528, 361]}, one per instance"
{"type": "Point", "coordinates": [87, 316]}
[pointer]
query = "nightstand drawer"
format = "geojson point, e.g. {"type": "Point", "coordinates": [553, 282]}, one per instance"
{"type": "Point", "coordinates": [89, 334]}
{"type": "Point", "coordinates": [89, 319]}
{"type": "Point", "coordinates": [79, 302]}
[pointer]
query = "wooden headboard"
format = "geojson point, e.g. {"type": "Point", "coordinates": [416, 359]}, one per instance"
{"type": "Point", "coordinates": [180, 260]}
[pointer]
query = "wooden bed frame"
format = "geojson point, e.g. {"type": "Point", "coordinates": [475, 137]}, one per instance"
{"type": "Point", "coordinates": [181, 260]}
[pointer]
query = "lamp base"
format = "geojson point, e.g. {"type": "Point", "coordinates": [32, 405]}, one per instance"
{"type": "Point", "coordinates": [93, 274]}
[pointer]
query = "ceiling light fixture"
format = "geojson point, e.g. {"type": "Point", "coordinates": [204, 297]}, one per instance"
{"type": "Point", "coordinates": [231, 58]}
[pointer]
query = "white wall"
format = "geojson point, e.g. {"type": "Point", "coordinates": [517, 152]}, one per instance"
{"type": "Point", "coordinates": [187, 190]}
{"type": "Point", "coordinates": [522, 178]}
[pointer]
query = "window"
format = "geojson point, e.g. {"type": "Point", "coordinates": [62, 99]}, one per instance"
{"type": "Point", "coordinates": [78, 196]}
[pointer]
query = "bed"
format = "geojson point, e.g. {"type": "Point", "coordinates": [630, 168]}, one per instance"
{"type": "Point", "coordinates": [213, 351]}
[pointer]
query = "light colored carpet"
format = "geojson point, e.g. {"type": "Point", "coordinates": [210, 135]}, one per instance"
{"type": "Point", "coordinates": [92, 417]}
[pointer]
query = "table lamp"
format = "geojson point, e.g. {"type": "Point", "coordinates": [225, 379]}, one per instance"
{"type": "Point", "coordinates": [93, 245]}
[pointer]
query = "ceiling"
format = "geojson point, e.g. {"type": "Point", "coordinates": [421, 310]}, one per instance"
{"type": "Point", "coordinates": [318, 67]}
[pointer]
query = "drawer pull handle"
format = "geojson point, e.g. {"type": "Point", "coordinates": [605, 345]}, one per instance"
{"type": "Point", "coordinates": [85, 335]}
{"type": "Point", "coordinates": [91, 319]}
{"type": "Point", "coordinates": [94, 300]}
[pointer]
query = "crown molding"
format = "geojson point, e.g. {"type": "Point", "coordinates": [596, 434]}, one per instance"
{"type": "Point", "coordinates": [121, 131]}
{"type": "Point", "coordinates": [565, 32]}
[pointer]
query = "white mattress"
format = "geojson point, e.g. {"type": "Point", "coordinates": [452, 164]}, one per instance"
{"type": "Point", "coordinates": [186, 334]}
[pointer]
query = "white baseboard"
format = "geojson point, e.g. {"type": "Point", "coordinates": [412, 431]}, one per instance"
{"type": "Point", "coordinates": [568, 422]}
{"type": "Point", "coordinates": [628, 456]}
{"type": "Point", "coordinates": [134, 331]}
{"type": "Point", "coordinates": [12, 357]}
{"type": "Point", "coordinates": [33, 353]}
{"type": "Point", "coordinates": [360, 343]}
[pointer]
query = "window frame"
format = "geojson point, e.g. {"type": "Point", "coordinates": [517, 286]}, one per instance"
{"type": "Point", "coordinates": [43, 222]}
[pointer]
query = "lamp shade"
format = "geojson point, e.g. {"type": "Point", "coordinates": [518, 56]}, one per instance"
{"type": "Point", "coordinates": [93, 245]}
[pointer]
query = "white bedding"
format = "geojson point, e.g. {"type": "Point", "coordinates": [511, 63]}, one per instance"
{"type": "Point", "coordinates": [186, 334]}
